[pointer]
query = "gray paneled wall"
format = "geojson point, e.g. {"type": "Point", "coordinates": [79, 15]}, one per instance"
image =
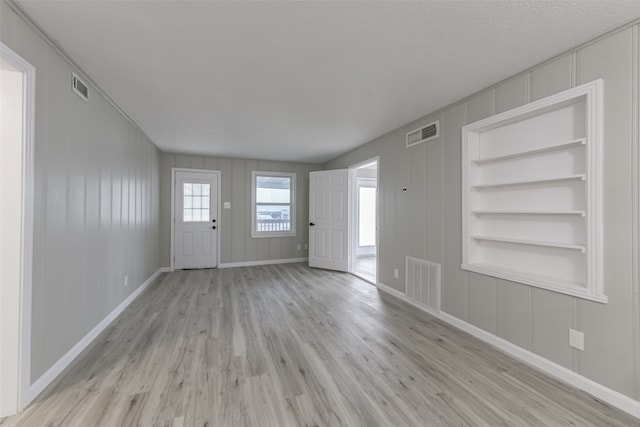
{"type": "Point", "coordinates": [425, 221]}
{"type": "Point", "coordinates": [236, 244]}
{"type": "Point", "coordinates": [96, 203]}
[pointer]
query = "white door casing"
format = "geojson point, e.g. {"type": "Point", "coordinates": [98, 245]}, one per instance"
{"type": "Point", "coordinates": [17, 119]}
{"type": "Point", "coordinates": [328, 220]}
{"type": "Point", "coordinates": [195, 219]}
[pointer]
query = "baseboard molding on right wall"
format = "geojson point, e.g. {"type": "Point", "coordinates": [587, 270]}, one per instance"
{"type": "Point", "coordinates": [603, 393]}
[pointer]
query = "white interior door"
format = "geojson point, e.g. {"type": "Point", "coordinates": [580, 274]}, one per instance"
{"type": "Point", "coordinates": [195, 216]}
{"type": "Point", "coordinates": [328, 219]}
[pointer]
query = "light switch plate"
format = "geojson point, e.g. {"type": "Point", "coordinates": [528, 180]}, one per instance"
{"type": "Point", "coordinates": [227, 205]}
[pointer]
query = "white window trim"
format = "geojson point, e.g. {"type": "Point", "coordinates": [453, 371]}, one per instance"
{"type": "Point", "coordinates": [292, 210]}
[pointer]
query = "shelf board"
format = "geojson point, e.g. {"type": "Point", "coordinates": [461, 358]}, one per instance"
{"type": "Point", "coordinates": [556, 284]}
{"type": "Point", "coordinates": [561, 146]}
{"type": "Point", "coordinates": [549, 180]}
{"type": "Point", "coordinates": [581, 248]}
{"type": "Point", "coordinates": [525, 212]}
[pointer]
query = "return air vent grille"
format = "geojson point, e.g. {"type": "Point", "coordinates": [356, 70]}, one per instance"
{"type": "Point", "coordinates": [79, 87]}
{"type": "Point", "coordinates": [423, 134]}
{"type": "Point", "coordinates": [423, 282]}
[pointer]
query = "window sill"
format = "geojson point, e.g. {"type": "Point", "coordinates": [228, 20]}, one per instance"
{"type": "Point", "coordinates": [263, 235]}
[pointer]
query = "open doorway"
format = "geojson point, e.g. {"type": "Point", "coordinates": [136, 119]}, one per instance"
{"type": "Point", "coordinates": [364, 221]}
{"type": "Point", "coordinates": [17, 98]}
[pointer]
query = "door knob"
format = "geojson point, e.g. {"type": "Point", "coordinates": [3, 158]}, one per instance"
{"type": "Point", "coordinates": [214, 227]}
{"type": "Point", "coordinates": [213, 220]}
{"type": "Point", "coordinates": [311, 224]}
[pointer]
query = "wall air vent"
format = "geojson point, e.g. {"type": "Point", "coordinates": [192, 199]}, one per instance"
{"type": "Point", "coordinates": [79, 87]}
{"type": "Point", "coordinates": [423, 134]}
{"type": "Point", "coordinates": [422, 282]}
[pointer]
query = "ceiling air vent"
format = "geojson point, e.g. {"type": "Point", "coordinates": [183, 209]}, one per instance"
{"type": "Point", "coordinates": [423, 134]}
{"type": "Point", "coordinates": [79, 87]}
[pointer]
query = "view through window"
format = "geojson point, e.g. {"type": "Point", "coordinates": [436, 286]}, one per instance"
{"type": "Point", "coordinates": [273, 204]}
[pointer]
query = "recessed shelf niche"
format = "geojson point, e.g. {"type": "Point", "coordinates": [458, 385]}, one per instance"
{"type": "Point", "coordinates": [532, 194]}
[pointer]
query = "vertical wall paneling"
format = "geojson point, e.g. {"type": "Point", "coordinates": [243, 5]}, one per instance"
{"type": "Point", "coordinates": [415, 200]}
{"type": "Point", "coordinates": [480, 106]}
{"type": "Point", "coordinates": [611, 60]}
{"type": "Point", "coordinates": [512, 312]}
{"type": "Point", "coordinates": [551, 320]}
{"type": "Point", "coordinates": [534, 319]}
{"type": "Point", "coordinates": [85, 153]}
{"type": "Point", "coordinates": [635, 227]}
{"type": "Point", "coordinates": [455, 296]}
{"type": "Point", "coordinates": [576, 359]}
{"type": "Point", "coordinates": [239, 225]}
{"type": "Point", "coordinates": [551, 78]}
{"type": "Point", "coordinates": [512, 94]}
{"type": "Point", "coordinates": [434, 186]}
{"type": "Point", "coordinates": [236, 244]}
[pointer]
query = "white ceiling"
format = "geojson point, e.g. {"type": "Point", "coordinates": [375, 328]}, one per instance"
{"type": "Point", "coordinates": [306, 81]}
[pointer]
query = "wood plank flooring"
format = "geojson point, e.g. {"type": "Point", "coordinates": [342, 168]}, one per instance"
{"type": "Point", "coordinates": [286, 345]}
{"type": "Point", "coordinates": [366, 266]}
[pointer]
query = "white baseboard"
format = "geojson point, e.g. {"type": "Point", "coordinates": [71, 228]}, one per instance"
{"type": "Point", "coordinates": [264, 262]}
{"type": "Point", "coordinates": [165, 270]}
{"type": "Point", "coordinates": [52, 373]}
{"type": "Point", "coordinates": [603, 393]}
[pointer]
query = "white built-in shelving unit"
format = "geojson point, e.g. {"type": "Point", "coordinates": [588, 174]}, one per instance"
{"type": "Point", "coordinates": [532, 193]}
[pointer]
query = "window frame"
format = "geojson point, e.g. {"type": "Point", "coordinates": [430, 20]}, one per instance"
{"type": "Point", "coordinates": [292, 204]}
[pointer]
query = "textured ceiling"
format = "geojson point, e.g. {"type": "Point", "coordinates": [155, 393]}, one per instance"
{"type": "Point", "coordinates": [306, 81]}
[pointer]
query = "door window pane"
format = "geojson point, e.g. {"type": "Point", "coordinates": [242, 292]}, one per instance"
{"type": "Point", "coordinates": [195, 202]}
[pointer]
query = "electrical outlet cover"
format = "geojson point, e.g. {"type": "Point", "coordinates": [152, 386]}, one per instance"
{"type": "Point", "coordinates": [576, 339]}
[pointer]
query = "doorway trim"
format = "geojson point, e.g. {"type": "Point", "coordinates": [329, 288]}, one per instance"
{"type": "Point", "coordinates": [173, 214]}
{"type": "Point", "coordinates": [353, 220]}
{"type": "Point", "coordinates": [17, 334]}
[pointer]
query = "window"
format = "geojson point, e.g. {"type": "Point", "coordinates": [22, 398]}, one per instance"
{"type": "Point", "coordinates": [195, 203]}
{"type": "Point", "coordinates": [273, 210]}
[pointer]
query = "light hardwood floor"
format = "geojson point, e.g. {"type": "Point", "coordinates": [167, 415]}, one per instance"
{"type": "Point", "coordinates": [286, 345]}
{"type": "Point", "coordinates": [366, 266]}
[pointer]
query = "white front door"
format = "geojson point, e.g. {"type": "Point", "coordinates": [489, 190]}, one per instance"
{"type": "Point", "coordinates": [196, 222]}
{"type": "Point", "coordinates": [328, 234]}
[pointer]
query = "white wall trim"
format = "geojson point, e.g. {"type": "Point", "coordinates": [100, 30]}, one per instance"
{"type": "Point", "coordinates": [401, 295]}
{"type": "Point", "coordinates": [166, 269]}
{"type": "Point", "coordinates": [263, 262]}
{"type": "Point", "coordinates": [16, 400]}
{"type": "Point", "coordinates": [52, 373]}
{"type": "Point", "coordinates": [603, 393]}
{"type": "Point", "coordinates": [635, 203]}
